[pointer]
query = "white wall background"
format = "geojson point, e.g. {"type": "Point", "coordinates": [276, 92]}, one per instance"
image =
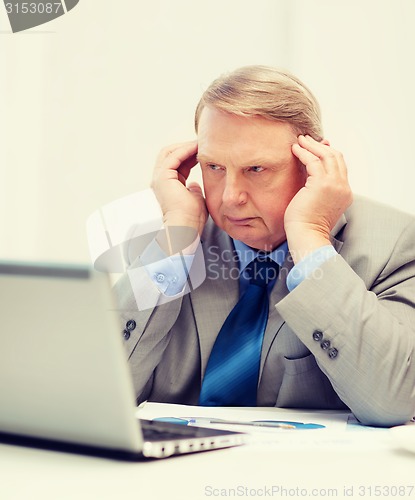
{"type": "Point", "coordinates": [87, 100]}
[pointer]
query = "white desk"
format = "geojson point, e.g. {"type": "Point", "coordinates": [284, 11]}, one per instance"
{"type": "Point", "coordinates": [369, 465]}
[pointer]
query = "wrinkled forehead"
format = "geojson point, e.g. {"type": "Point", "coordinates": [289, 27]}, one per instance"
{"type": "Point", "coordinates": [252, 139]}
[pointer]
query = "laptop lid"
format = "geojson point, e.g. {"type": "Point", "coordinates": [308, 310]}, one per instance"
{"type": "Point", "coordinates": [64, 376]}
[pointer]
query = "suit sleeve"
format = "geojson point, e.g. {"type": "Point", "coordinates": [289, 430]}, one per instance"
{"type": "Point", "coordinates": [362, 334]}
{"type": "Point", "coordinates": [146, 341]}
{"type": "Point", "coordinates": [152, 314]}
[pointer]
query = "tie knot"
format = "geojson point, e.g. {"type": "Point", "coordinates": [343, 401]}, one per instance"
{"type": "Point", "coordinates": [262, 270]}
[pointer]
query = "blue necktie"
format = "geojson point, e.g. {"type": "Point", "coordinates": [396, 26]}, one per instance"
{"type": "Point", "coordinates": [231, 376]}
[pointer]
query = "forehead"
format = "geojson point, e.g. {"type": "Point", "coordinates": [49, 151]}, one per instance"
{"type": "Point", "coordinates": [222, 132]}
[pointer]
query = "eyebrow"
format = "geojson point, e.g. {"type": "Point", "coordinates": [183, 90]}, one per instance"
{"type": "Point", "coordinates": [200, 157]}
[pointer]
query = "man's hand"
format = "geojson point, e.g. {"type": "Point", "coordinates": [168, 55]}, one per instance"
{"type": "Point", "coordinates": [182, 205]}
{"type": "Point", "coordinates": [316, 208]}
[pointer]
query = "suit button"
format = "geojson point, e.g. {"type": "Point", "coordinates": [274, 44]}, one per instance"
{"type": "Point", "coordinates": [317, 335]}
{"type": "Point", "coordinates": [130, 325]}
{"type": "Point", "coordinates": [333, 352]}
{"type": "Point", "coordinates": [325, 344]}
{"type": "Point", "coordinates": [126, 334]}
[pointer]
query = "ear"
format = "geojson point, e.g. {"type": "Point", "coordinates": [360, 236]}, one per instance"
{"type": "Point", "coordinates": [325, 141]}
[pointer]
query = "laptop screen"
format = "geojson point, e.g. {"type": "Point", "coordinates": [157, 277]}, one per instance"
{"type": "Point", "coordinates": [64, 374]}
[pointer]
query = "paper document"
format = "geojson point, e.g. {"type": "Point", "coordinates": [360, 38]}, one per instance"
{"type": "Point", "coordinates": [328, 419]}
{"type": "Point", "coordinates": [329, 425]}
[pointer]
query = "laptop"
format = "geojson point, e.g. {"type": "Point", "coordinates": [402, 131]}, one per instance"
{"type": "Point", "coordinates": [65, 383]}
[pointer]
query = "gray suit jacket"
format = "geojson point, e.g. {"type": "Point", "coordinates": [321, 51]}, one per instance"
{"type": "Point", "coordinates": [344, 338]}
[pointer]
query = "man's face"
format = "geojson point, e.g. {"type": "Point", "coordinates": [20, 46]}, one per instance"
{"type": "Point", "coordinates": [249, 174]}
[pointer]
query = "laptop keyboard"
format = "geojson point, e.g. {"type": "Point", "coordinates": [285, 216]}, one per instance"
{"type": "Point", "coordinates": [165, 431]}
{"type": "Point", "coordinates": [163, 439]}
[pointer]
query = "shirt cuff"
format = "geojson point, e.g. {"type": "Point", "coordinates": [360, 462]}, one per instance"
{"type": "Point", "coordinates": [308, 265]}
{"type": "Point", "coordinates": [169, 274]}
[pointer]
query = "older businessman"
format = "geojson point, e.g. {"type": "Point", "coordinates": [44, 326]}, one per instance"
{"type": "Point", "coordinates": [309, 294]}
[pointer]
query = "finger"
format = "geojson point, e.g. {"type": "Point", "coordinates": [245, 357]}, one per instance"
{"type": "Point", "coordinates": [167, 150]}
{"type": "Point", "coordinates": [333, 160]}
{"type": "Point", "coordinates": [312, 163]}
{"type": "Point", "coordinates": [194, 187]}
{"type": "Point", "coordinates": [317, 148]}
{"type": "Point", "coordinates": [172, 156]}
{"type": "Point", "coordinates": [176, 162]}
{"type": "Point", "coordinates": [186, 166]}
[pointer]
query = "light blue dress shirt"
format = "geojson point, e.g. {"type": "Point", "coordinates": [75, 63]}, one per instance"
{"type": "Point", "coordinates": [169, 274]}
{"type": "Point", "coordinates": [309, 265]}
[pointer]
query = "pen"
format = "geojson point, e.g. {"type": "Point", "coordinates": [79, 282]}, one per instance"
{"type": "Point", "coordinates": [205, 420]}
{"type": "Point", "coordinates": [254, 423]}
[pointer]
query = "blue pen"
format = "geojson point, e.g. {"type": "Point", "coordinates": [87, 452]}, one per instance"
{"type": "Point", "coordinates": [298, 425]}
{"type": "Point", "coordinates": [253, 423]}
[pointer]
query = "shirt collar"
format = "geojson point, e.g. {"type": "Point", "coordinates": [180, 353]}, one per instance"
{"type": "Point", "coordinates": [247, 254]}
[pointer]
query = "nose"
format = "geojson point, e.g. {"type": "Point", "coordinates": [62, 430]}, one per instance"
{"type": "Point", "coordinates": [234, 192]}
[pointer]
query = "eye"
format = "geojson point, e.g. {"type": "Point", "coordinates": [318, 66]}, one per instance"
{"type": "Point", "coordinates": [213, 167]}
{"type": "Point", "coordinates": [256, 169]}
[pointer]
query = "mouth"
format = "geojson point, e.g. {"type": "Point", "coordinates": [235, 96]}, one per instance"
{"type": "Point", "coordinates": [239, 221]}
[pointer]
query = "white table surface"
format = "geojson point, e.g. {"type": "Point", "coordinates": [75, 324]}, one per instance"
{"type": "Point", "coordinates": [362, 463]}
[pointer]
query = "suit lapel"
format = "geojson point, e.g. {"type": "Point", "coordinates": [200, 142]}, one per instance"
{"type": "Point", "coordinates": [219, 293]}
{"type": "Point", "coordinates": [275, 321]}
